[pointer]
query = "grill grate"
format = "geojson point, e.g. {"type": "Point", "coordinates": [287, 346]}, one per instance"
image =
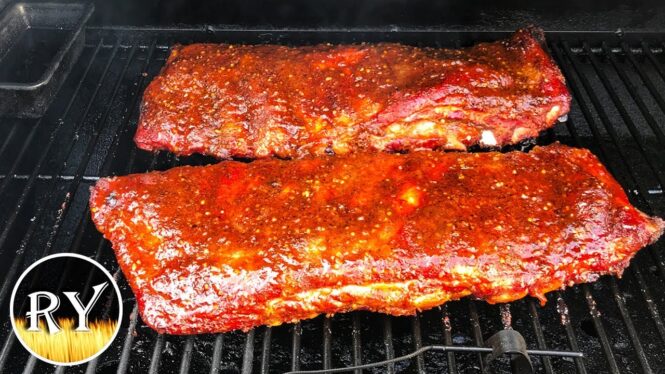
{"type": "Point", "coordinates": [47, 166]}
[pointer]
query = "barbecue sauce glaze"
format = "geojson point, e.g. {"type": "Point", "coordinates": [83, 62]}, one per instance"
{"type": "Point", "coordinates": [236, 245]}
{"type": "Point", "coordinates": [255, 101]}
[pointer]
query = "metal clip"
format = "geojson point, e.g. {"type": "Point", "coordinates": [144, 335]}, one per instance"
{"type": "Point", "coordinates": [509, 342]}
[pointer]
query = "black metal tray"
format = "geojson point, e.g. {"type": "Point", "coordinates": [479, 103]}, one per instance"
{"type": "Point", "coordinates": [39, 43]}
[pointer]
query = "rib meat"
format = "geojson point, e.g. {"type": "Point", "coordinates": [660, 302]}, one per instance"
{"type": "Point", "coordinates": [259, 100]}
{"type": "Point", "coordinates": [235, 245]}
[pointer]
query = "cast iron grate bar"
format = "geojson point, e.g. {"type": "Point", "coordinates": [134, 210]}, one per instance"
{"type": "Point", "coordinates": [41, 211]}
{"type": "Point", "coordinates": [156, 354]}
{"type": "Point", "coordinates": [248, 354]}
{"type": "Point", "coordinates": [649, 300]}
{"type": "Point", "coordinates": [630, 124]}
{"type": "Point", "coordinates": [632, 332]}
{"type": "Point", "coordinates": [65, 204]}
{"type": "Point", "coordinates": [90, 148]}
{"type": "Point", "coordinates": [643, 288]}
{"type": "Point", "coordinates": [607, 124]}
{"type": "Point", "coordinates": [327, 343]}
{"type": "Point", "coordinates": [617, 296]}
{"type": "Point", "coordinates": [296, 336]}
{"type": "Point", "coordinates": [651, 121]}
{"type": "Point", "coordinates": [9, 138]}
{"type": "Point", "coordinates": [648, 52]}
{"type": "Point", "coordinates": [448, 338]}
{"type": "Point", "coordinates": [27, 144]}
{"type": "Point", "coordinates": [111, 155]}
{"type": "Point", "coordinates": [356, 338]}
{"type": "Point", "coordinates": [595, 314]}
{"type": "Point", "coordinates": [418, 343]}
{"type": "Point", "coordinates": [123, 365]}
{"type": "Point", "coordinates": [600, 329]}
{"type": "Point", "coordinates": [477, 332]}
{"type": "Point", "coordinates": [540, 337]}
{"type": "Point", "coordinates": [217, 354]}
{"type": "Point", "coordinates": [388, 343]}
{"type": "Point", "coordinates": [562, 309]}
{"type": "Point", "coordinates": [130, 167]}
{"type": "Point", "coordinates": [9, 342]}
{"type": "Point", "coordinates": [187, 355]}
{"type": "Point", "coordinates": [265, 351]}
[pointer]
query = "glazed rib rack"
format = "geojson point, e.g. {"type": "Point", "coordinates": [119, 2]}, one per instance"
{"type": "Point", "coordinates": [618, 111]}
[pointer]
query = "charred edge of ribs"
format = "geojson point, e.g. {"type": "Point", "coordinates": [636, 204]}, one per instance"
{"type": "Point", "coordinates": [234, 245]}
{"type": "Point", "coordinates": [255, 101]}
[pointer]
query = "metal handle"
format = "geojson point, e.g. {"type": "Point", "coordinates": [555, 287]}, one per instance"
{"type": "Point", "coordinates": [511, 343]}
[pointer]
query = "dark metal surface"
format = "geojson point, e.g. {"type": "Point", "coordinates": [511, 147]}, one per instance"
{"type": "Point", "coordinates": [579, 15]}
{"type": "Point", "coordinates": [39, 44]}
{"type": "Point", "coordinates": [48, 165]}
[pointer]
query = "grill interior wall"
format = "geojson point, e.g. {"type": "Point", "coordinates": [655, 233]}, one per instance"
{"type": "Point", "coordinates": [48, 165]}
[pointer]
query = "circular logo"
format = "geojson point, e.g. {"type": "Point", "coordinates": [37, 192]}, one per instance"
{"type": "Point", "coordinates": [66, 309]}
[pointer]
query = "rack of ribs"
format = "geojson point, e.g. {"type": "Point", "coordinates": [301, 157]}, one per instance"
{"type": "Point", "coordinates": [236, 245]}
{"type": "Point", "coordinates": [254, 101]}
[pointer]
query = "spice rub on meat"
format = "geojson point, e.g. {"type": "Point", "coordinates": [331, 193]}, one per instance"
{"type": "Point", "coordinates": [237, 245]}
{"type": "Point", "coordinates": [255, 101]}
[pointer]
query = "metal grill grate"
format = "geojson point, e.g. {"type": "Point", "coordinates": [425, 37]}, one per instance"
{"type": "Point", "coordinates": [47, 166]}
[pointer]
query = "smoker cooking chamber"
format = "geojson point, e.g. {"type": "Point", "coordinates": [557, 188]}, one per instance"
{"type": "Point", "coordinates": [47, 166]}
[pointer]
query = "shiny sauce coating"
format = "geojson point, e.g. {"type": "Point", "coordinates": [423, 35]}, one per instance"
{"type": "Point", "coordinates": [257, 101]}
{"type": "Point", "coordinates": [236, 245]}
